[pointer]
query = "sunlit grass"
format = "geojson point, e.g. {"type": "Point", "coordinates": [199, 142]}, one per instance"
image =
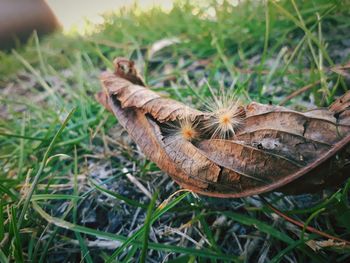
{"type": "Point", "coordinates": [70, 183]}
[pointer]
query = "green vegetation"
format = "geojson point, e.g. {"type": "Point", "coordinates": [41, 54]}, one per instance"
{"type": "Point", "coordinates": [67, 183]}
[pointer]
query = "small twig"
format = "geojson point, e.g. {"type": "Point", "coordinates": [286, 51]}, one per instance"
{"type": "Point", "coordinates": [99, 243]}
{"type": "Point", "coordinates": [301, 224]}
{"type": "Point", "coordinates": [298, 92]}
{"type": "Point", "coordinates": [342, 70]}
{"type": "Point", "coordinates": [4, 240]}
{"type": "Point", "coordinates": [136, 216]}
{"type": "Point", "coordinates": [134, 180]}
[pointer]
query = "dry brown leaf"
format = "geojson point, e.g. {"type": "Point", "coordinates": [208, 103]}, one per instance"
{"type": "Point", "coordinates": [275, 149]}
{"type": "Point", "coordinates": [318, 245]}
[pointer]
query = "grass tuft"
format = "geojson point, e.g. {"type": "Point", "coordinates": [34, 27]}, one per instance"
{"type": "Point", "coordinates": [74, 187]}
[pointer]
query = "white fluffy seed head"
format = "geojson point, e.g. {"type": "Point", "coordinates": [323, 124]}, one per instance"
{"type": "Point", "coordinates": [227, 116]}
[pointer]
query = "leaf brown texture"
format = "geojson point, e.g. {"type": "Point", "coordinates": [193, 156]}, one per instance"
{"type": "Point", "coordinates": [275, 149]}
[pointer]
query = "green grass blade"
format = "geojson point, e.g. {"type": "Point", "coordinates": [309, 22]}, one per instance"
{"type": "Point", "coordinates": [3, 258]}
{"type": "Point", "coordinates": [130, 255]}
{"type": "Point", "coordinates": [158, 213]}
{"type": "Point", "coordinates": [7, 191]}
{"type": "Point", "coordinates": [53, 197]}
{"type": "Point", "coordinates": [118, 196]}
{"type": "Point", "coordinates": [21, 136]}
{"type": "Point", "coordinates": [264, 227]}
{"type": "Point", "coordinates": [279, 256]}
{"type": "Point", "coordinates": [209, 234]}
{"type": "Point", "coordinates": [147, 227]}
{"type": "Point", "coordinates": [307, 31]}
{"type": "Point", "coordinates": [42, 166]}
{"type": "Point", "coordinates": [2, 220]}
{"type": "Point", "coordinates": [85, 253]}
{"type": "Point", "coordinates": [18, 252]}
{"type": "Point", "coordinates": [270, 230]}
{"type": "Point", "coordinates": [266, 44]}
{"type": "Point", "coordinates": [37, 74]}
{"type": "Point", "coordinates": [109, 236]}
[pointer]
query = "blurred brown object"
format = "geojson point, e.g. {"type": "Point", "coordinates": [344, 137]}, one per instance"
{"type": "Point", "coordinates": [18, 20]}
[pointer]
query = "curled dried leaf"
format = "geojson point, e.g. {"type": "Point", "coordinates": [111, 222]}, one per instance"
{"type": "Point", "coordinates": [274, 149]}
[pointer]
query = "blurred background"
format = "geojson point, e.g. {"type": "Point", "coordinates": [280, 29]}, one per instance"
{"type": "Point", "coordinates": [18, 19]}
{"type": "Point", "coordinates": [75, 15]}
